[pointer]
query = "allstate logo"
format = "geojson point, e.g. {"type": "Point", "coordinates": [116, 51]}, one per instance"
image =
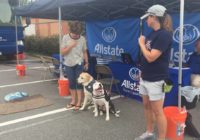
{"type": "Point", "coordinates": [135, 73]}
{"type": "Point", "coordinates": [109, 34]}
{"type": "Point", "coordinates": [190, 34]}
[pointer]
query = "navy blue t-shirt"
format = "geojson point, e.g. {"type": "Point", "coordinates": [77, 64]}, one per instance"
{"type": "Point", "coordinates": [194, 63]}
{"type": "Point", "coordinates": [157, 70]}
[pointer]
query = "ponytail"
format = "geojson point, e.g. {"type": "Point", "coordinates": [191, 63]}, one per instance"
{"type": "Point", "coordinates": [166, 22]}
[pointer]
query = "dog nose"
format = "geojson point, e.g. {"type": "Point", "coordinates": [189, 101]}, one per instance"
{"type": "Point", "coordinates": [99, 85]}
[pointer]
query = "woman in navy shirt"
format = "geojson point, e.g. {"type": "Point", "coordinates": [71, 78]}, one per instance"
{"type": "Point", "coordinates": [194, 64]}
{"type": "Point", "coordinates": [154, 66]}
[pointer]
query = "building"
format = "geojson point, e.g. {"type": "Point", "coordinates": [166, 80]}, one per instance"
{"type": "Point", "coordinates": [45, 27]}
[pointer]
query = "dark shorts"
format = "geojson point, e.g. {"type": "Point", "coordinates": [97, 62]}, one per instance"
{"type": "Point", "coordinates": [72, 74]}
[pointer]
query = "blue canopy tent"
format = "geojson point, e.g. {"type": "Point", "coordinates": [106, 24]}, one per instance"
{"type": "Point", "coordinates": [99, 9]}
{"type": "Point", "coordinates": [107, 9]}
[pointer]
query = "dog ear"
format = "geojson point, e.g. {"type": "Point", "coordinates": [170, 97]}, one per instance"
{"type": "Point", "coordinates": [87, 76]}
{"type": "Point", "coordinates": [102, 85]}
{"type": "Point", "coordinates": [81, 74]}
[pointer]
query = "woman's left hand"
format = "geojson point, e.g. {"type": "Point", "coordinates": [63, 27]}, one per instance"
{"type": "Point", "coordinates": [141, 40]}
{"type": "Point", "coordinates": [86, 66]}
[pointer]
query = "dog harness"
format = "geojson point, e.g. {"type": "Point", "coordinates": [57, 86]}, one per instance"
{"type": "Point", "coordinates": [89, 87]}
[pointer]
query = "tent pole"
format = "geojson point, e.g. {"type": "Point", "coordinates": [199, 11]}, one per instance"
{"type": "Point", "coordinates": [180, 52]}
{"type": "Point", "coordinates": [60, 41]}
{"type": "Point", "coordinates": [16, 38]}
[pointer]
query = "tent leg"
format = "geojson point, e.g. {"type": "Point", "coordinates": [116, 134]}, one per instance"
{"type": "Point", "coordinates": [60, 40]}
{"type": "Point", "coordinates": [180, 52]}
{"type": "Point", "coordinates": [16, 38]}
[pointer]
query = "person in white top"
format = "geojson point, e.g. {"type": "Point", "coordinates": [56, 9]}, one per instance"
{"type": "Point", "coordinates": [74, 51]}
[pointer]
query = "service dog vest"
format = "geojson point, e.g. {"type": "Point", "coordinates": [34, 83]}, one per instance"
{"type": "Point", "coordinates": [89, 87]}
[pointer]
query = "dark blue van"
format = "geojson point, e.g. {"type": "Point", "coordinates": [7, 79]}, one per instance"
{"type": "Point", "coordinates": [7, 29]}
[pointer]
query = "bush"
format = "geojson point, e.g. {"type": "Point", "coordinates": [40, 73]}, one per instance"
{"type": "Point", "coordinates": [42, 45]}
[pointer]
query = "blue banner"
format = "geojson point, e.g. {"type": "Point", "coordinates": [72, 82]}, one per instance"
{"type": "Point", "coordinates": [190, 35]}
{"type": "Point", "coordinates": [129, 79]}
{"type": "Point", "coordinates": [111, 38]}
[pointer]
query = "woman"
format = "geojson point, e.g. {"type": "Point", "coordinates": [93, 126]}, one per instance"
{"type": "Point", "coordinates": [154, 66]}
{"type": "Point", "coordinates": [74, 51]}
{"type": "Point", "coordinates": [194, 64]}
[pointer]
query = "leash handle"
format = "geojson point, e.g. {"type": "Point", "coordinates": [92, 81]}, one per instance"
{"type": "Point", "coordinates": [141, 27]}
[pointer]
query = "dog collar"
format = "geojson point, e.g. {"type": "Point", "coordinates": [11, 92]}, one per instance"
{"type": "Point", "coordinates": [99, 97]}
{"type": "Point", "coordinates": [89, 87]}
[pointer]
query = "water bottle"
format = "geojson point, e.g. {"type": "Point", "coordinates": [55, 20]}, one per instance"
{"type": "Point", "coordinates": [178, 129]}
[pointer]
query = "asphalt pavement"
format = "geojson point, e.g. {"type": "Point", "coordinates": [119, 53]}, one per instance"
{"type": "Point", "coordinates": [57, 123]}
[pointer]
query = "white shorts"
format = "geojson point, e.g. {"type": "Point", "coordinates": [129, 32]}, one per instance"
{"type": "Point", "coordinates": [152, 89]}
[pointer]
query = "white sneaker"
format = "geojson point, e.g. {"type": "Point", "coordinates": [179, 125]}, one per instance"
{"type": "Point", "coordinates": [146, 136]}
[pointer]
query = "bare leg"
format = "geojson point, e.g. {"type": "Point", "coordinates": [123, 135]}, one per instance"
{"type": "Point", "coordinates": [149, 117]}
{"type": "Point", "coordinates": [73, 95]}
{"type": "Point", "coordinates": [157, 108]}
{"type": "Point", "coordinates": [79, 94]}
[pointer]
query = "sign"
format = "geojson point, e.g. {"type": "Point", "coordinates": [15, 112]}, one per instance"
{"type": "Point", "coordinates": [111, 38]}
{"type": "Point", "coordinates": [190, 35]}
{"type": "Point", "coordinates": [2, 39]}
{"type": "Point", "coordinates": [130, 83]}
{"type": "Point", "coordinates": [129, 77]}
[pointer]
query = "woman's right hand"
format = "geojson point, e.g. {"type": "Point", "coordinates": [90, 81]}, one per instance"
{"type": "Point", "coordinates": [141, 40]}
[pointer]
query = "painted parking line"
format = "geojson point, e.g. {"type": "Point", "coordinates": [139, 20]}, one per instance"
{"type": "Point", "coordinates": [27, 60]}
{"type": "Point", "coordinates": [33, 117]}
{"type": "Point", "coordinates": [31, 125]}
{"type": "Point", "coordinates": [29, 68]}
{"type": "Point", "coordinates": [7, 70]}
{"type": "Point", "coordinates": [27, 83]}
{"type": "Point", "coordinates": [40, 115]}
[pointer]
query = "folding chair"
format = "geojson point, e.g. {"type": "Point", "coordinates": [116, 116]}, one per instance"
{"type": "Point", "coordinates": [106, 77]}
{"type": "Point", "coordinates": [48, 67]}
{"type": "Point", "coordinates": [56, 64]}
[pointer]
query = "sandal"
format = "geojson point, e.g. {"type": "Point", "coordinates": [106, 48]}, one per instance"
{"type": "Point", "coordinates": [77, 107]}
{"type": "Point", "coordinates": [70, 106]}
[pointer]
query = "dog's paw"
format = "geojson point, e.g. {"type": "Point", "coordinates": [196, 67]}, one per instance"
{"type": "Point", "coordinates": [101, 113]}
{"type": "Point", "coordinates": [107, 118]}
{"type": "Point", "coordinates": [82, 108]}
{"type": "Point", "coordinates": [96, 115]}
{"type": "Point", "coordinates": [118, 111]}
{"type": "Point", "coordinates": [89, 107]}
{"type": "Point", "coordinates": [117, 115]}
